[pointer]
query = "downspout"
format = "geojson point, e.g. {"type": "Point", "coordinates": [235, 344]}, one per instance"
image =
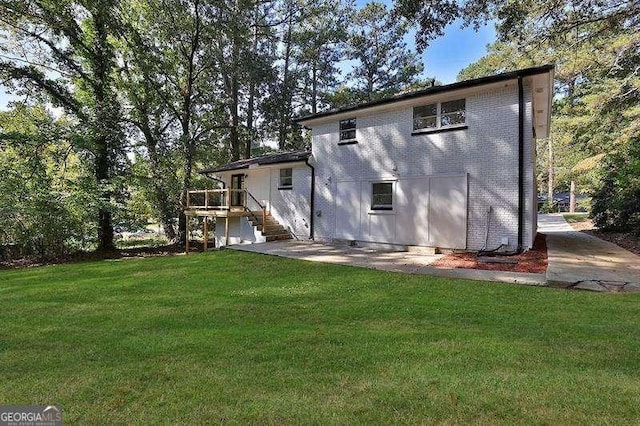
{"type": "Point", "coordinates": [520, 163]}
{"type": "Point", "coordinates": [313, 196]}
{"type": "Point", "coordinates": [224, 186]}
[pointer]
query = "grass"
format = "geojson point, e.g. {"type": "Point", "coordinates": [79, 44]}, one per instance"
{"type": "Point", "coordinates": [246, 338]}
{"type": "Point", "coordinates": [576, 217]}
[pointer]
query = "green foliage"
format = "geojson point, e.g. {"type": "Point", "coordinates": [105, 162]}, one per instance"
{"type": "Point", "coordinates": [143, 242]}
{"type": "Point", "coordinates": [616, 203]}
{"type": "Point", "coordinates": [596, 49]}
{"type": "Point", "coordinates": [46, 197]}
{"type": "Point", "coordinates": [68, 55]}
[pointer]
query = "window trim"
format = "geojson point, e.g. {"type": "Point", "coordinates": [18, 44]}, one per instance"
{"type": "Point", "coordinates": [439, 127]}
{"type": "Point", "coordinates": [347, 141]}
{"type": "Point", "coordinates": [381, 207]}
{"type": "Point", "coordinates": [282, 186]}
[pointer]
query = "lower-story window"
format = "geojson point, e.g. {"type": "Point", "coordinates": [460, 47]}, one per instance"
{"type": "Point", "coordinates": [382, 196]}
{"type": "Point", "coordinates": [286, 179]}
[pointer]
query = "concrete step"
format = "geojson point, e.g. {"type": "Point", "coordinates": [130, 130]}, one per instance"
{"type": "Point", "coordinates": [267, 224]}
{"type": "Point", "coordinates": [269, 219]}
{"type": "Point", "coordinates": [278, 237]}
{"type": "Point", "coordinates": [428, 251]}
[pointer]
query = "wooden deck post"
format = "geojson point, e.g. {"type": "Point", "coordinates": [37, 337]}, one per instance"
{"type": "Point", "coordinates": [186, 233]}
{"type": "Point", "coordinates": [264, 218]}
{"type": "Point", "coordinates": [226, 231]}
{"type": "Point", "coordinates": [206, 232]}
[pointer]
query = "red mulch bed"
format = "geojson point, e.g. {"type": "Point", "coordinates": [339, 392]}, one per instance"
{"type": "Point", "coordinates": [532, 261]}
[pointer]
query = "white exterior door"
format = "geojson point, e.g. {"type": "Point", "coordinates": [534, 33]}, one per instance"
{"type": "Point", "coordinates": [348, 213]}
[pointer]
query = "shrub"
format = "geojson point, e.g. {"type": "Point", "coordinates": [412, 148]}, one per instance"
{"type": "Point", "coordinates": [616, 202]}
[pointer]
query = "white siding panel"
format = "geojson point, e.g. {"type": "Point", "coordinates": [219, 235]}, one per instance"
{"type": "Point", "coordinates": [412, 197]}
{"type": "Point", "coordinates": [448, 211]}
{"type": "Point", "coordinates": [348, 206]}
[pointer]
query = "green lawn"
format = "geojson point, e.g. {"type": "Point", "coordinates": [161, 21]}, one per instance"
{"type": "Point", "coordinates": [575, 217]}
{"type": "Point", "coordinates": [246, 338]}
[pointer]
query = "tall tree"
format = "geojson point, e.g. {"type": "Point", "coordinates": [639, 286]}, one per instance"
{"type": "Point", "coordinates": [603, 85]}
{"type": "Point", "coordinates": [65, 50]}
{"type": "Point", "coordinates": [384, 64]}
{"type": "Point", "coordinates": [321, 37]}
{"type": "Point", "coordinates": [151, 116]}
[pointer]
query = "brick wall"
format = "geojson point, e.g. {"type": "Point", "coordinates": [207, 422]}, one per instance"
{"type": "Point", "coordinates": [487, 151]}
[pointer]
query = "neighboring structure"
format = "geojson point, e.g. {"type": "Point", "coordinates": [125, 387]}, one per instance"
{"type": "Point", "coordinates": [450, 167]}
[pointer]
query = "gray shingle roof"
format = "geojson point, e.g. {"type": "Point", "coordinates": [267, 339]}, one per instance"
{"type": "Point", "coordinates": [281, 157]}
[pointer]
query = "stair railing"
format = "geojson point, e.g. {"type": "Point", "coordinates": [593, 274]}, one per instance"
{"type": "Point", "coordinates": [263, 208]}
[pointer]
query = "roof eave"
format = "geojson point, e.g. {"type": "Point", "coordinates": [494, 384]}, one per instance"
{"type": "Point", "coordinates": [304, 121]}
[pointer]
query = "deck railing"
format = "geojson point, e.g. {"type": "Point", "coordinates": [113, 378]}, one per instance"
{"type": "Point", "coordinates": [226, 199]}
{"type": "Point", "coordinates": [216, 199]}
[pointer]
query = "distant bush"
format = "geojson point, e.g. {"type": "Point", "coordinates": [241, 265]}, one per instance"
{"type": "Point", "coordinates": [616, 202]}
{"type": "Point", "coordinates": [144, 242]}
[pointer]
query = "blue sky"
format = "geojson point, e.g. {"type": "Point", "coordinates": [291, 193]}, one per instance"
{"type": "Point", "coordinates": [449, 54]}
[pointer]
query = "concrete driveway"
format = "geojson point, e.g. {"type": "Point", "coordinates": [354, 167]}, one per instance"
{"type": "Point", "coordinates": [578, 260]}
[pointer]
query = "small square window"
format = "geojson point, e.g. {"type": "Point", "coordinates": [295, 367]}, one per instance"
{"type": "Point", "coordinates": [382, 196]}
{"type": "Point", "coordinates": [348, 129]}
{"type": "Point", "coordinates": [286, 178]}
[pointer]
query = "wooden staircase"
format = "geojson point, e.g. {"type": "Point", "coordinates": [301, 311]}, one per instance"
{"type": "Point", "coordinates": [272, 230]}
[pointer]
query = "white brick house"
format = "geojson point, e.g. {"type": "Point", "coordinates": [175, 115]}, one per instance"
{"type": "Point", "coordinates": [450, 166]}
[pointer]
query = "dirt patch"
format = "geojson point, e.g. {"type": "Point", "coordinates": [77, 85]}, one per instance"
{"type": "Point", "coordinates": [625, 240]}
{"type": "Point", "coordinates": [584, 225]}
{"type": "Point", "coordinates": [532, 261]}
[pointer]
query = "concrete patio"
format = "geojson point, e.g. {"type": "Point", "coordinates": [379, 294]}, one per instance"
{"type": "Point", "coordinates": [576, 260]}
{"type": "Point", "coordinates": [406, 262]}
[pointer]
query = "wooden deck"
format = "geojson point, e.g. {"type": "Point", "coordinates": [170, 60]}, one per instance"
{"type": "Point", "coordinates": [211, 212]}
{"type": "Point", "coordinates": [221, 203]}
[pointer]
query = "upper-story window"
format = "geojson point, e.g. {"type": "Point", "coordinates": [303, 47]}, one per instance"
{"type": "Point", "coordinates": [439, 115]}
{"type": "Point", "coordinates": [348, 129]}
{"type": "Point", "coordinates": [286, 179]}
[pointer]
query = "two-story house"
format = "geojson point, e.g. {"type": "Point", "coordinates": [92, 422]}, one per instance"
{"type": "Point", "coordinates": [450, 166]}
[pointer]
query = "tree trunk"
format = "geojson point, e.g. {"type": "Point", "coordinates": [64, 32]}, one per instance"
{"type": "Point", "coordinates": [550, 181]}
{"type": "Point", "coordinates": [186, 185]}
{"type": "Point", "coordinates": [235, 121]}
{"type": "Point", "coordinates": [285, 91]}
{"type": "Point", "coordinates": [572, 198]}
{"type": "Point", "coordinates": [234, 135]}
{"type": "Point", "coordinates": [162, 200]}
{"type": "Point", "coordinates": [314, 88]}
{"type": "Point", "coordinates": [252, 94]}
{"type": "Point", "coordinates": [104, 148]}
{"type": "Point", "coordinates": [188, 144]}
{"type": "Point", "coordinates": [105, 225]}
